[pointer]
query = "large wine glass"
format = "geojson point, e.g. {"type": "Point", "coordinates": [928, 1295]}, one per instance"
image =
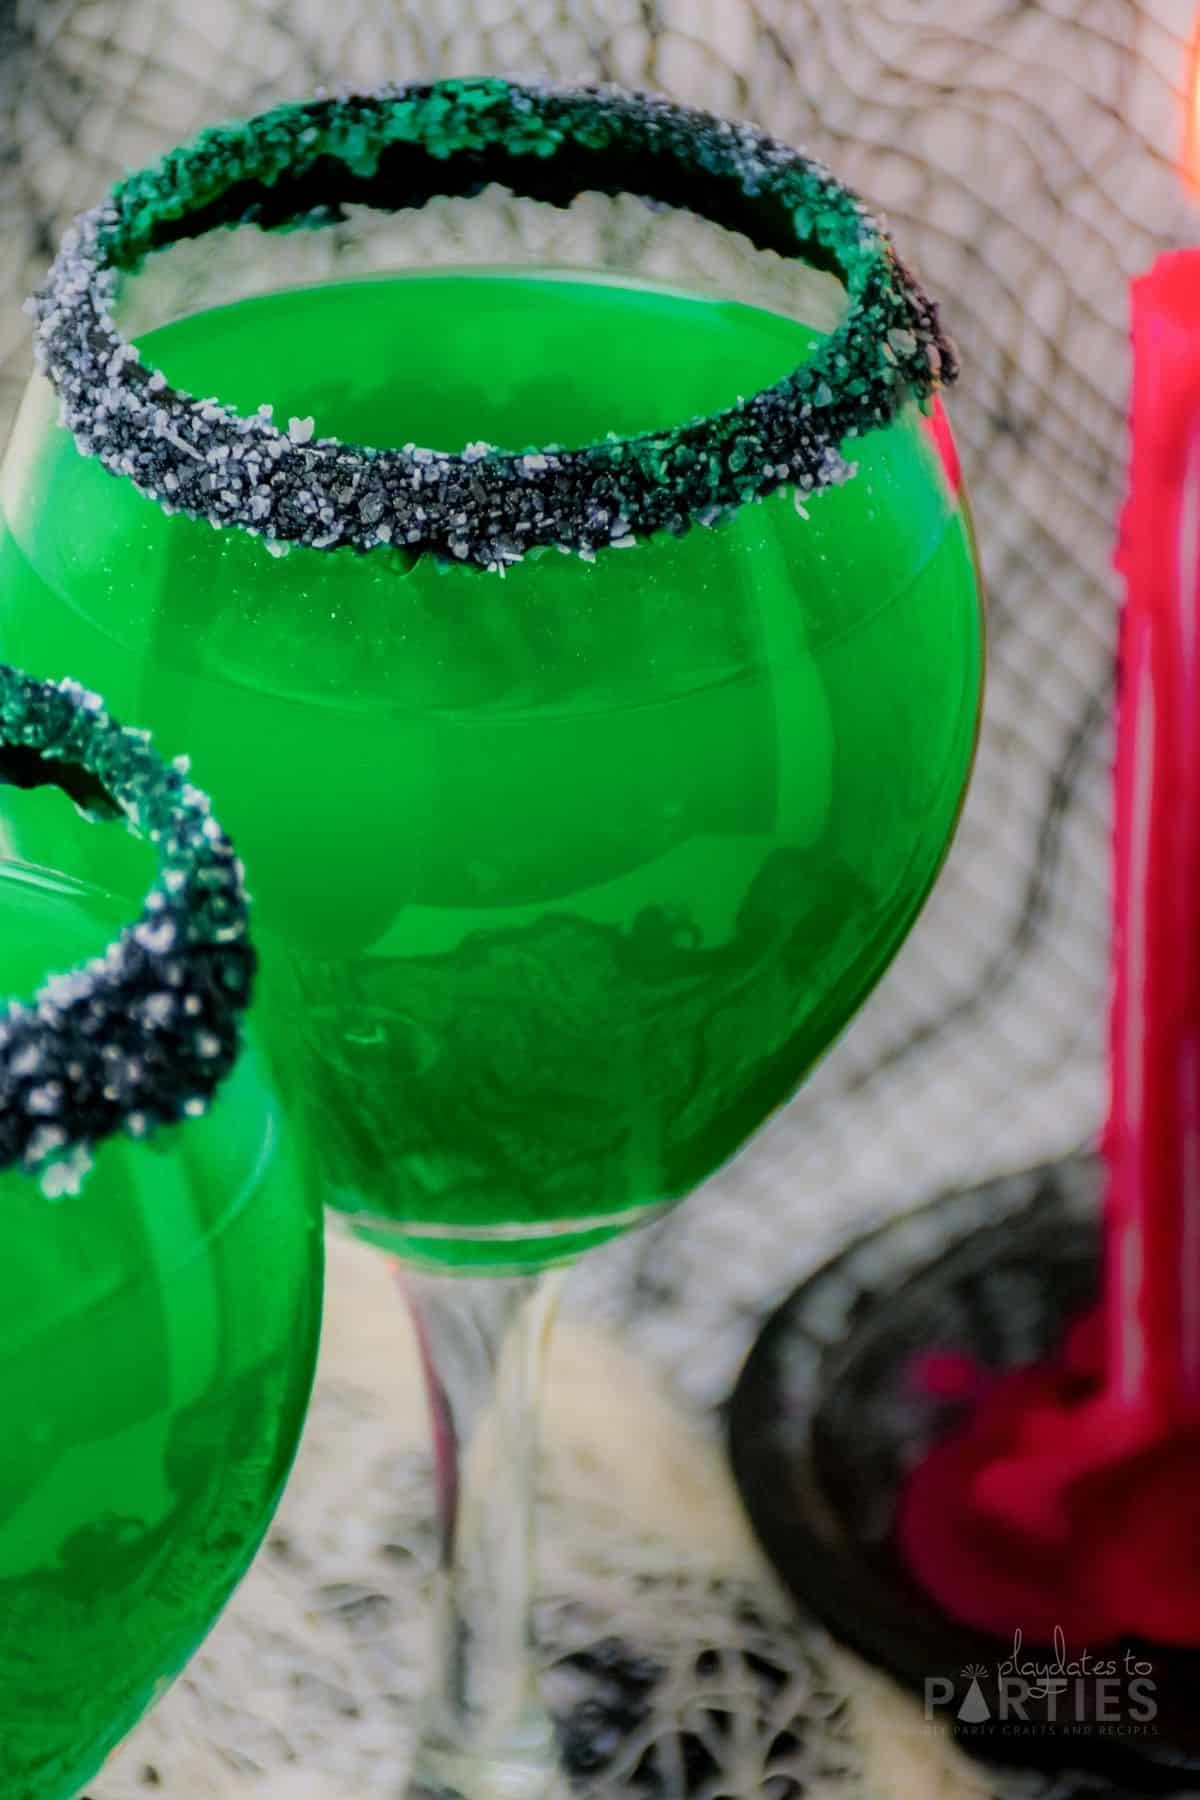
{"type": "Point", "coordinates": [160, 1280]}
{"type": "Point", "coordinates": [589, 789]}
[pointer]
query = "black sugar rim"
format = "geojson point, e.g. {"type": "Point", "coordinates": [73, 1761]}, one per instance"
{"type": "Point", "coordinates": [397, 149]}
{"type": "Point", "coordinates": [144, 1034]}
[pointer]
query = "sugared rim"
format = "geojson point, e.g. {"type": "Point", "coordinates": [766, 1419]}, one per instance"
{"type": "Point", "coordinates": [143, 1035]}
{"type": "Point", "coordinates": [395, 149]}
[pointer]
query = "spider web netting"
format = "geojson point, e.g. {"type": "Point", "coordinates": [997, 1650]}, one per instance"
{"type": "Point", "coordinates": [1024, 154]}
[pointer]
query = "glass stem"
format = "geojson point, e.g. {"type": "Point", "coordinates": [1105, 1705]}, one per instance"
{"type": "Point", "coordinates": [483, 1344]}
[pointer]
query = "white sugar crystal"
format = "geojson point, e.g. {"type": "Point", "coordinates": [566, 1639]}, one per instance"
{"type": "Point", "coordinates": [46, 1100]}
{"type": "Point", "coordinates": [60, 990]}
{"type": "Point", "coordinates": [43, 1141]}
{"type": "Point", "coordinates": [157, 938]}
{"type": "Point", "coordinates": [27, 1061]}
{"type": "Point", "coordinates": [185, 449]}
{"type": "Point", "coordinates": [66, 1175]}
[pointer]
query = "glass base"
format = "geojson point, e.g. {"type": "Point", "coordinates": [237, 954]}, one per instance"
{"type": "Point", "coordinates": [827, 1421]}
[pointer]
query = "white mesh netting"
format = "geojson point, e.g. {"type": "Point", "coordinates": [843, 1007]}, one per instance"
{"type": "Point", "coordinates": [1023, 152]}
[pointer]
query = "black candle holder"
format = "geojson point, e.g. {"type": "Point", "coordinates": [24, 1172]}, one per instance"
{"type": "Point", "coordinates": [827, 1421]}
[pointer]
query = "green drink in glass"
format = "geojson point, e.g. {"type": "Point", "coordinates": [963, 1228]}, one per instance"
{"type": "Point", "coordinates": [160, 1287]}
{"type": "Point", "coordinates": [589, 781]}
{"type": "Point", "coordinates": [630, 840]}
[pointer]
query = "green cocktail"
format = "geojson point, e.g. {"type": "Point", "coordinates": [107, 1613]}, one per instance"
{"type": "Point", "coordinates": [159, 1287]}
{"type": "Point", "coordinates": [592, 729]}
{"type": "Point", "coordinates": [564, 882]}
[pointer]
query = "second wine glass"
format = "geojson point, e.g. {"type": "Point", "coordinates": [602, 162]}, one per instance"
{"type": "Point", "coordinates": [160, 1284]}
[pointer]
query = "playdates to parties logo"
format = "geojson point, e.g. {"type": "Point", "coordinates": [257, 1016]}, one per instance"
{"type": "Point", "coordinates": [1055, 1691]}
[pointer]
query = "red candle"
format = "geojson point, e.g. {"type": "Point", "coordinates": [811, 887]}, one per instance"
{"type": "Point", "coordinates": [1152, 1225]}
{"type": "Point", "coordinates": [1068, 1500]}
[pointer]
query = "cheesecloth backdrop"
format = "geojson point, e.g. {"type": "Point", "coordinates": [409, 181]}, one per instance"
{"type": "Point", "coordinates": [1023, 152]}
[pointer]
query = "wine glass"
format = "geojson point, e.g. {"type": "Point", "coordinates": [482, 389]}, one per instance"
{"type": "Point", "coordinates": [589, 789]}
{"type": "Point", "coordinates": [161, 1276]}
